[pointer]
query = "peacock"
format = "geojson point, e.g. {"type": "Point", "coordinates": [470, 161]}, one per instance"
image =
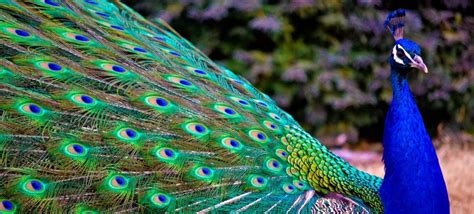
{"type": "Point", "coordinates": [413, 181]}
{"type": "Point", "coordinates": [103, 111]}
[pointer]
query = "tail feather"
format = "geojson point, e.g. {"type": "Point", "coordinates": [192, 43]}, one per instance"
{"type": "Point", "coordinates": [104, 111]}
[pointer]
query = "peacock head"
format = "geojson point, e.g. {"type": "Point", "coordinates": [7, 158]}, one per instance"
{"type": "Point", "coordinates": [406, 54]}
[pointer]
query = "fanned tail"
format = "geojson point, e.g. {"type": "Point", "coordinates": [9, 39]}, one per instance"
{"type": "Point", "coordinates": [103, 111]}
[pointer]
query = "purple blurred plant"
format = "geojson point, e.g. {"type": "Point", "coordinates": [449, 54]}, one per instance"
{"type": "Point", "coordinates": [298, 4]}
{"type": "Point", "coordinates": [215, 11]}
{"type": "Point", "coordinates": [457, 3]}
{"type": "Point", "coordinates": [246, 5]}
{"type": "Point", "coordinates": [295, 74]}
{"type": "Point", "coordinates": [282, 100]}
{"type": "Point", "coordinates": [266, 24]}
{"type": "Point", "coordinates": [243, 56]}
{"type": "Point", "coordinates": [167, 16]}
{"type": "Point", "coordinates": [369, 3]}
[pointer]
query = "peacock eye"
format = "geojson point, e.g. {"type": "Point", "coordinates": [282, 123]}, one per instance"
{"type": "Point", "coordinates": [400, 54]}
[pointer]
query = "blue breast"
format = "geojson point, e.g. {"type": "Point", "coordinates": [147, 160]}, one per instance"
{"type": "Point", "coordinates": [413, 181]}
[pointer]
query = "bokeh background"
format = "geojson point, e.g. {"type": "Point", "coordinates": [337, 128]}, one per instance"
{"type": "Point", "coordinates": [325, 62]}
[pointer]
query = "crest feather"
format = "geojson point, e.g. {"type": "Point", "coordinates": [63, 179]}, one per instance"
{"type": "Point", "coordinates": [395, 23]}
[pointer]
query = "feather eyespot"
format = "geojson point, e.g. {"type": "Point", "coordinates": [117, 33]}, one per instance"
{"type": "Point", "coordinates": [159, 103]}
{"type": "Point", "coordinates": [7, 206]}
{"type": "Point", "coordinates": [231, 143]}
{"type": "Point", "coordinates": [51, 69]}
{"type": "Point", "coordinates": [118, 182]}
{"type": "Point", "coordinates": [113, 68]}
{"type": "Point", "coordinates": [51, 3]}
{"type": "Point", "coordinates": [174, 53]}
{"type": "Point", "coordinates": [281, 153]}
{"type": "Point", "coordinates": [196, 129]}
{"type": "Point", "coordinates": [91, 2]}
{"type": "Point", "coordinates": [128, 134]}
{"type": "Point", "coordinates": [83, 100]}
{"type": "Point", "coordinates": [19, 32]}
{"type": "Point", "coordinates": [240, 101]}
{"type": "Point", "coordinates": [271, 126]}
{"type": "Point", "coordinates": [197, 71]}
{"type": "Point", "coordinates": [203, 173]}
{"type": "Point", "coordinates": [289, 188]}
{"type": "Point", "coordinates": [274, 116]}
{"type": "Point", "coordinates": [258, 136]}
{"type": "Point", "coordinates": [299, 184]}
{"type": "Point", "coordinates": [22, 33]}
{"type": "Point", "coordinates": [258, 181]}
{"type": "Point", "coordinates": [50, 66]}
{"type": "Point", "coordinates": [156, 101]}
{"type": "Point", "coordinates": [181, 82]}
{"type": "Point", "coordinates": [200, 72]}
{"type": "Point", "coordinates": [166, 154]}
{"type": "Point", "coordinates": [116, 27]}
{"type": "Point", "coordinates": [184, 82]}
{"type": "Point", "coordinates": [76, 150]}
{"type": "Point", "coordinates": [139, 49]}
{"type": "Point", "coordinates": [159, 38]}
{"type": "Point", "coordinates": [112, 26]}
{"type": "Point", "coordinates": [171, 52]}
{"type": "Point", "coordinates": [102, 14]}
{"type": "Point", "coordinates": [33, 187]}
{"type": "Point", "coordinates": [239, 82]}
{"type": "Point", "coordinates": [77, 37]}
{"type": "Point", "coordinates": [226, 111]}
{"type": "Point", "coordinates": [117, 68]}
{"type": "Point", "coordinates": [273, 165]}
{"type": "Point", "coordinates": [261, 103]}
{"type": "Point", "coordinates": [31, 109]}
{"type": "Point", "coordinates": [134, 48]}
{"type": "Point", "coordinates": [160, 200]}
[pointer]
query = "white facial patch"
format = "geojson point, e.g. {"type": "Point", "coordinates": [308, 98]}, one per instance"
{"type": "Point", "coordinates": [397, 59]}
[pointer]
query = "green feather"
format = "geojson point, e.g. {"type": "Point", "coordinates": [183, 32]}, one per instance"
{"type": "Point", "coordinates": [202, 173]}
{"type": "Point", "coordinates": [83, 209]}
{"type": "Point", "coordinates": [20, 35]}
{"type": "Point", "coordinates": [159, 103]}
{"type": "Point", "coordinates": [105, 111]}
{"type": "Point", "coordinates": [33, 187]}
{"type": "Point", "coordinates": [7, 206]}
{"type": "Point", "coordinates": [196, 129]}
{"type": "Point", "coordinates": [156, 200]}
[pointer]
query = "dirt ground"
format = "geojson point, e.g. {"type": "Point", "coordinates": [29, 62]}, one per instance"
{"type": "Point", "coordinates": [456, 155]}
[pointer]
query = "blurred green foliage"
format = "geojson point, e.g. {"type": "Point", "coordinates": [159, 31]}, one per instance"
{"type": "Point", "coordinates": [325, 61]}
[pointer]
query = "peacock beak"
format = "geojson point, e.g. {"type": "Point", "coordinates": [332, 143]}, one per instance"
{"type": "Point", "coordinates": [418, 63]}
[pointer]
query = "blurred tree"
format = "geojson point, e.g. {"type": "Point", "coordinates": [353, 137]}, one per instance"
{"type": "Point", "coordinates": [325, 61]}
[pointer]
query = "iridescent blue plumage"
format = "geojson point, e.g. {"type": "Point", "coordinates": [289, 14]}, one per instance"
{"type": "Point", "coordinates": [413, 181]}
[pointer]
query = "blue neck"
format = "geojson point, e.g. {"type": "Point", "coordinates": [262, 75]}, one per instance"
{"type": "Point", "coordinates": [413, 181]}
